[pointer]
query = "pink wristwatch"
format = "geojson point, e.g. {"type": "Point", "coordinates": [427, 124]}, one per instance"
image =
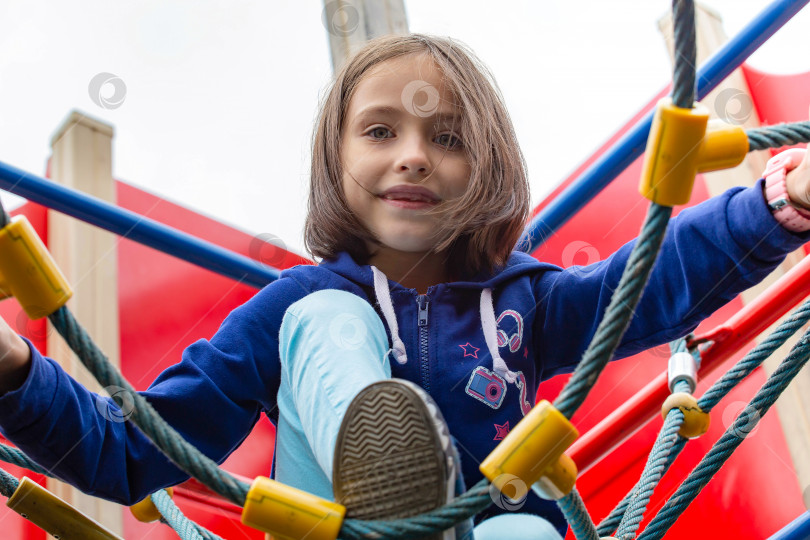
{"type": "Point", "coordinates": [786, 213]}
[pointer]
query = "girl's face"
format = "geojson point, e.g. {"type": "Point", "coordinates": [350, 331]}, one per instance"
{"type": "Point", "coordinates": [402, 131]}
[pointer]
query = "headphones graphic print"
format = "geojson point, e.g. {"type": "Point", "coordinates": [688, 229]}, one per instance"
{"type": "Point", "coordinates": [487, 386]}
{"type": "Point", "coordinates": [514, 340]}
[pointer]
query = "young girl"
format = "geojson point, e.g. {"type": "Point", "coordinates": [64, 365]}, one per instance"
{"type": "Point", "coordinates": [418, 196]}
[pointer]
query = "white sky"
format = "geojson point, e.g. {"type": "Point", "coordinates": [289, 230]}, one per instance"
{"type": "Point", "coordinates": [221, 95]}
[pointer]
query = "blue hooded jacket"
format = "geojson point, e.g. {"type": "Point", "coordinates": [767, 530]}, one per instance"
{"type": "Point", "coordinates": [479, 347]}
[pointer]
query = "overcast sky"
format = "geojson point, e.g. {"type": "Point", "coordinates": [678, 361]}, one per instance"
{"type": "Point", "coordinates": [220, 96]}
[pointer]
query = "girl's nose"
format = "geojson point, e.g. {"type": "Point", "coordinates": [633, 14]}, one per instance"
{"type": "Point", "coordinates": [413, 157]}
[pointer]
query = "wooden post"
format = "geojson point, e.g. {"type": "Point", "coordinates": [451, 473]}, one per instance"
{"type": "Point", "coordinates": [82, 160]}
{"type": "Point", "coordinates": [731, 101]}
{"type": "Point", "coordinates": [351, 23]}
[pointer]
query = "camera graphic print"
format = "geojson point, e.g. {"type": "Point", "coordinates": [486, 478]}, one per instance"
{"type": "Point", "coordinates": [489, 387]}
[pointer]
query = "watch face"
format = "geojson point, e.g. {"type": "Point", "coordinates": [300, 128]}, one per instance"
{"type": "Point", "coordinates": [778, 204]}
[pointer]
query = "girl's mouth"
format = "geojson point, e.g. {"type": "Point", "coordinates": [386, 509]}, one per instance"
{"type": "Point", "coordinates": [412, 205]}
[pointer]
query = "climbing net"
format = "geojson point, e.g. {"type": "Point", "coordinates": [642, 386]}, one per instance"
{"type": "Point", "coordinates": [550, 472]}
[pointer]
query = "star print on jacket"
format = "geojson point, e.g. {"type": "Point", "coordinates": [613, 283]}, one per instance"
{"type": "Point", "coordinates": [467, 353]}
{"type": "Point", "coordinates": [501, 431]}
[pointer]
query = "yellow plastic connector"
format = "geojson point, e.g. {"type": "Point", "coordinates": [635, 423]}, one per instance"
{"type": "Point", "coordinates": [28, 272]}
{"type": "Point", "coordinates": [558, 480]}
{"type": "Point", "coordinates": [683, 143]}
{"type": "Point", "coordinates": [290, 514]}
{"type": "Point", "coordinates": [695, 420]}
{"type": "Point", "coordinates": [534, 448]}
{"type": "Point", "coordinates": [53, 515]}
{"type": "Point", "coordinates": [724, 146]}
{"type": "Point", "coordinates": [145, 511]}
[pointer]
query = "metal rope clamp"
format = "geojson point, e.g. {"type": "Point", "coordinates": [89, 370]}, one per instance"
{"type": "Point", "coordinates": [682, 367]}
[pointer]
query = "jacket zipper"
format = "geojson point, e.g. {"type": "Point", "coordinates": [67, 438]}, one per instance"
{"type": "Point", "coordinates": [423, 303]}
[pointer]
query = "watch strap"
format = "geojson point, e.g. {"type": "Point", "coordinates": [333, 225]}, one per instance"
{"type": "Point", "coordinates": [776, 194]}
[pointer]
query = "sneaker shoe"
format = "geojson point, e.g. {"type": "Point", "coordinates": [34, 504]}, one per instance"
{"type": "Point", "coordinates": [394, 455]}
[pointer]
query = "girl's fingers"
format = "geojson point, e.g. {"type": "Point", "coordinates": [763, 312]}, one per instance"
{"type": "Point", "coordinates": [806, 161]}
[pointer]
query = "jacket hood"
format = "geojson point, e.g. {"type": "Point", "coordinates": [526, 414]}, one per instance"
{"type": "Point", "coordinates": [518, 263]}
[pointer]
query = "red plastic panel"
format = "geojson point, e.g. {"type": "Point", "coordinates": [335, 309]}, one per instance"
{"type": "Point", "coordinates": [779, 98]}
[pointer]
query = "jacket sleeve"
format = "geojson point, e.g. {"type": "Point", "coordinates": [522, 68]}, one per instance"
{"type": "Point", "coordinates": [711, 253]}
{"type": "Point", "coordinates": [212, 397]}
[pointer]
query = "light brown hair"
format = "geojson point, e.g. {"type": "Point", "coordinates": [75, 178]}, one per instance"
{"type": "Point", "coordinates": [481, 227]}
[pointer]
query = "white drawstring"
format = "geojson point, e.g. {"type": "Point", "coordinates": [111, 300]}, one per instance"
{"type": "Point", "coordinates": [384, 298]}
{"type": "Point", "coordinates": [490, 335]}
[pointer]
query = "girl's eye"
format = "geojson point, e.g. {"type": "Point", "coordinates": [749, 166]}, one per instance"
{"type": "Point", "coordinates": [379, 132]}
{"type": "Point", "coordinates": [448, 140]}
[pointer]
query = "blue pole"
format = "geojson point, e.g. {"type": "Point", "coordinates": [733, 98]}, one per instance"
{"type": "Point", "coordinates": [135, 227]}
{"type": "Point", "coordinates": [632, 144]}
{"type": "Point", "coordinates": [798, 529]}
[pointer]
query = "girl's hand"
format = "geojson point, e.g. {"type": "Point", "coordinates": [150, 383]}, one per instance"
{"type": "Point", "coordinates": [15, 359]}
{"type": "Point", "coordinates": [798, 183]}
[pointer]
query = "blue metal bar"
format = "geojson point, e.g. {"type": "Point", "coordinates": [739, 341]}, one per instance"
{"type": "Point", "coordinates": [798, 529]}
{"type": "Point", "coordinates": [632, 144]}
{"type": "Point", "coordinates": [135, 227]}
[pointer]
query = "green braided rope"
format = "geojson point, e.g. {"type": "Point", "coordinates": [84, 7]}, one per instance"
{"type": "Point", "coordinates": [573, 508]}
{"type": "Point", "coordinates": [778, 135]}
{"type": "Point", "coordinates": [174, 518]}
{"type": "Point", "coordinates": [657, 464]}
{"type": "Point", "coordinates": [619, 312]}
{"type": "Point", "coordinates": [463, 507]}
{"type": "Point", "coordinates": [755, 357]}
{"type": "Point", "coordinates": [8, 484]}
{"type": "Point", "coordinates": [714, 394]}
{"type": "Point", "coordinates": [14, 456]}
{"type": "Point", "coordinates": [609, 525]}
{"type": "Point", "coordinates": [684, 71]}
{"type": "Point", "coordinates": [143, 415]}
{"type": "Point", "coordinates": [731, 439]}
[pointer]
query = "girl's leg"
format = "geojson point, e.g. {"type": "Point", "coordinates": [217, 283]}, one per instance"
{"type": "Point", "coordinates": [332, 344]}
{"type": "Point", "coordinates": [520, 527]}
